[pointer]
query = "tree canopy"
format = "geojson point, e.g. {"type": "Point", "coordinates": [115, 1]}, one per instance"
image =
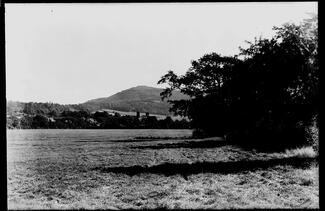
{"type": "Point", "coordinates": [271, 88]}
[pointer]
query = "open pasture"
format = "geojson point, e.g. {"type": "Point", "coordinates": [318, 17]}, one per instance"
{"type": "Point", "coordinates": [118, 169]}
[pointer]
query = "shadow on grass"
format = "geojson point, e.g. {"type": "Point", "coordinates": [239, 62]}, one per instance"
{"type": "Point", "coordinates": [149, 139]}
{"type": "Point", "coordinates": [267, 147]}
{"type": "Point", "coordinates": [185, 144]}
{"type": "Point", "coordinates": [162, 137]}
{"type": "Point", "coordinates": [186, 169]}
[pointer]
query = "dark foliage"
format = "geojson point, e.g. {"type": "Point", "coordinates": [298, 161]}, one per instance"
{"type": "Point", "coordinates": [267, 94]}
{"type": "Point", "coordinates": [86, 120]}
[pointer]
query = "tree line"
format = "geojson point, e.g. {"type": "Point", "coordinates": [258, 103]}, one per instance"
{"type": "Point", "coordinates": [266, 95]}
{"type": "Point", "coordinates": [86, 120]}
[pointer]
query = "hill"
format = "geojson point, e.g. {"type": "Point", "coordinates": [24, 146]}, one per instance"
{"type": "Point", "coordinates": [33, 108]}
{"type": "Point", "coordinates": [120, 113]}
{"type": "Point", "coordinates": [139, 98]}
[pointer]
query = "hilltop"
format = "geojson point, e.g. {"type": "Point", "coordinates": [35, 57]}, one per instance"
{"type": "Point", "coordinates": [140, 98]}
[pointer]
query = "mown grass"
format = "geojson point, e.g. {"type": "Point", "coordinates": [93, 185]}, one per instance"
{"type": "Point", "coordinates": [44, 174]}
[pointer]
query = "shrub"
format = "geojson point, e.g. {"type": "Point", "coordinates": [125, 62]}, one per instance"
{"type": "Point", "coordinates": [199, 133]}
{"type": "Point", "coordinates": [312, 136]}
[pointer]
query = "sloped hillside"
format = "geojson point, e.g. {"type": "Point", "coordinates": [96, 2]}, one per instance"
{"type": "Point", "coordinates": [140, 98]}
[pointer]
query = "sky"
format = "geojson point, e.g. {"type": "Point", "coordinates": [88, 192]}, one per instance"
{"type": "Point", "coordinates": [71, 53]}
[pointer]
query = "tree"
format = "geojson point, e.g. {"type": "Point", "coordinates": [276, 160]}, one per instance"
{"type": "Point", "coordinates": [40, 121]}
{"type": "Point", "coordinates": [269, 92]}
{"type": "Point", "coordinates": [13, 122]}
{"type": "Point", "coordinates": [284, 75]}
{"type": "Point", "coordinates": [205, 82]}
{"type": "Point", "coordinates": [150, 122]}
{"type": "Point", "coordinates": [26, 122]}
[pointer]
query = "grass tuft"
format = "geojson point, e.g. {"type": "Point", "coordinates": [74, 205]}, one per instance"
{"type": "Point", "coordinates": [304, 152]}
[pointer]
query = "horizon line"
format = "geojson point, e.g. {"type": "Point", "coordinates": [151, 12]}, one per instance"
{"type": "Point", "coordinates": [50, 102]}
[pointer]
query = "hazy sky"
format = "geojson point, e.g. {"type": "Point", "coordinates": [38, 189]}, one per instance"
{"type": "Point", "coordinates": [70, 53]}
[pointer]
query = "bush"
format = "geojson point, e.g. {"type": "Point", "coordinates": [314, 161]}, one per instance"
{"type": "Point", "coordinates": [199, 133]}
{"type": "Point", "coordinates": [312, 135]}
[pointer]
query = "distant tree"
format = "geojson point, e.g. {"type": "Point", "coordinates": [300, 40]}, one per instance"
{"type": "Point", "coordinates": [13, 122]}
{"type": "Point", "coordinates": [40, 121]}
{"type": "Point", "coordinates": [26, 122]}
{"type": "Point", "coordinates": [111, 123]}
{"type": "Point", "coordinates": [167, 122]}
{"type": "Point", "coordinates": [28, 109]}
{"type": "Point", "coordinates": [101, 117]}
{"type": "Point", "coordinates": [60, 124]}
{"type": "Point", "coordinates": [150, 122]}
{"type": "Point", "coordinates": [53, 113]}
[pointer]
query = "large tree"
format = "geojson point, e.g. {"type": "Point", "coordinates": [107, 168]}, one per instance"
{"type": "Point", "coordinates": [272, 90]}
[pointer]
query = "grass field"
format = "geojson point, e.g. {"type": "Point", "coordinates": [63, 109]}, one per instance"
{"type": "Point", "coordinates": [119, 169]}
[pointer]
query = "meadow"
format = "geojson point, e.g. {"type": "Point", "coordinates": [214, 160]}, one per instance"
{"type": "Point", "coordinates": [121, 169]}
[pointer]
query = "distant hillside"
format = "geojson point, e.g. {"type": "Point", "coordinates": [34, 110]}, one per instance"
{"type": "Point", "coordinates": [140, 98]}
{"type": "Point", "coordinates": [33, 108]}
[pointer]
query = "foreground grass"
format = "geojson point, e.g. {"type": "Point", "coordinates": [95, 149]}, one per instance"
{"type": "Point", "coordinates": [84, 175]}
{"type": "Point", "coordinates": [278, 187]}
